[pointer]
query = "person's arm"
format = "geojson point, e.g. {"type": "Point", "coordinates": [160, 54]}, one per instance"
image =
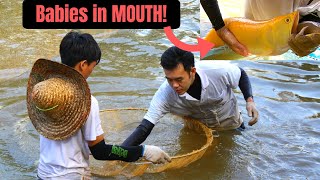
{"type": "Point", "coordinates": [245, 87]}
{"type": "Point", "coordinates": [211, 7]}
{"type": "Point", "coordinates": [212, 10]}
{"type": "Point", "coordinates": [102, 151]}
{"type": "Point", "coordinates": [157, 109]}
{"type": "Point", "coordinates": [140, 134]}
{"type": "Point", "coordinates": [93, 134]}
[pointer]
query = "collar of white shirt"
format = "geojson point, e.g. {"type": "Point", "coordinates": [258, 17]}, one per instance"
{"type": "Point", "coordinates": [204, 84]}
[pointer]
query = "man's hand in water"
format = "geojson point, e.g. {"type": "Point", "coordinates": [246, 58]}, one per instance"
{"type": "Point", "coordinates": [252, 111]}
{"type": "Point", "coordinates": [227, 36]}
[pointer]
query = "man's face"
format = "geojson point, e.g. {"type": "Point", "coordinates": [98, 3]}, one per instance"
{"type": "Point", "coordinates": [179, 79]}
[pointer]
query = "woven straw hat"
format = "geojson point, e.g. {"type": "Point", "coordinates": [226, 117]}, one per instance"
{"type": "Point", "coordinates": [58, 99]}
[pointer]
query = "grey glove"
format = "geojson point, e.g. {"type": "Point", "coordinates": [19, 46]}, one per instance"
{"type": "Point", "coordinates": [252, 112]}
{"type": "Point", "coordinates": [155, 154]}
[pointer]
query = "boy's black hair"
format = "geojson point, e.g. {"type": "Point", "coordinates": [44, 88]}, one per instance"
{"type": "Point", "coordinates": [174, 56]}
{"type": "Point", "coordinates": [76, 47]}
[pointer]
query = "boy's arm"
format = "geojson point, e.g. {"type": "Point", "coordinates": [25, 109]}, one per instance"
{"type": "Point", "coordinates": [102, 151]}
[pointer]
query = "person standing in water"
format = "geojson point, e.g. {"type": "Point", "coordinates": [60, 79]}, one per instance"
{"type": "Point", "coordinates": [201, 90]}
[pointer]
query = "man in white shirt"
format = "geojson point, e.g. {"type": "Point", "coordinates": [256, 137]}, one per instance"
{"type": "Point", "coordinates": [201, 90]}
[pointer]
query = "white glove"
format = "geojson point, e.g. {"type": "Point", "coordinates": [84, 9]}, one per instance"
{"type": "Point", "coordinates": [252, 112]}
{"type": "Point", "coordinates": [155, 154]}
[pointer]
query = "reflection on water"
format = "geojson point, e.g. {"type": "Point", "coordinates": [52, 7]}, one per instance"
{"type": "Point", "coordinates": [284, 144]}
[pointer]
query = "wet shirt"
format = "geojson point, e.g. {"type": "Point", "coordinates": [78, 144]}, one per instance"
{"type": "Point", "coordinates": [58, 158]}
{"type": "Point", "coordinates": [217, 107]}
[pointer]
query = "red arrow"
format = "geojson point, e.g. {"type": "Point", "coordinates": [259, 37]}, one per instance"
{"type": "Point", "coordinates": [203, 46]}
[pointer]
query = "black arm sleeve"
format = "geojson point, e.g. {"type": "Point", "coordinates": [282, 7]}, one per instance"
{"type": "Point", "coordinates": [211, 7]}
{"type": "Point", "coordinates": [245, 85]}
{"type": "Point", "coordinates": [103, 151]}
{"type": "Point", "coordinates": [140, 134]}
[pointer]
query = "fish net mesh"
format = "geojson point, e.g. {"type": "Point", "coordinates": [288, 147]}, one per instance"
{"type": "Point", "coordinates": [184, 139]}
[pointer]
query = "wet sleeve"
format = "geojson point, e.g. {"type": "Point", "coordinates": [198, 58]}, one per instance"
{"type": "Point", "coordinates": [140, 134]}
{"type": "Point", "coordinates": [245, 85]}
{"type": "Point", "coordinates": [211, 7]}
{"type": "Point", "coordinates": [103, 151]}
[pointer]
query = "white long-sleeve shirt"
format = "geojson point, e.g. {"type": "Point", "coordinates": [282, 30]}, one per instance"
{"type": "Point", "coordinates": [217, 107]}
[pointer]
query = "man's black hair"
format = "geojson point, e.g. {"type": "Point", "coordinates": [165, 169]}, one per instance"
{"type": "Point", "coordinates": [76, 47]}
{"type": "Point", "coordinates": [173, 56]}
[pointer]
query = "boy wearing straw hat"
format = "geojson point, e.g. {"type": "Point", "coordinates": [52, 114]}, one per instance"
{"type": "Point", "coordinates": [201, 90]}
{"type": "Point", "coordinates": [66, 115]}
